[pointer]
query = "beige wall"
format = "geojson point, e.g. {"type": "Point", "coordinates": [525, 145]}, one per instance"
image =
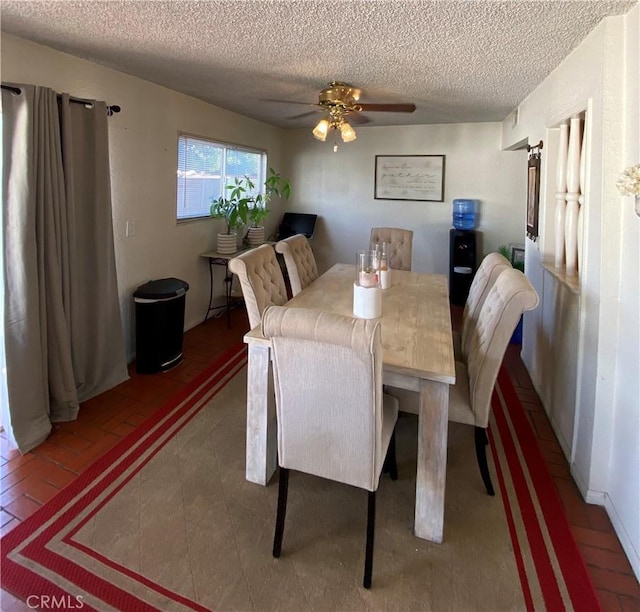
{"type": "Point", "coordinates": [143, 144]}
{"type": "Point", "coordinates": [340, 188]}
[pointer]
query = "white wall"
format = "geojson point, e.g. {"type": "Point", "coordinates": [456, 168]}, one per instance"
{"type": "Point", "coordinates": [340, 188]}
{"type": "Point", "coordinates": [601, 75]}
{"type": "Point", "coordinates": [143, 145]}
{"type": "Point", "coordinates": [623, 474]}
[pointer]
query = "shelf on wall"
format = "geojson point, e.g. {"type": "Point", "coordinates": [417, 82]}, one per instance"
{"type": "Point", "coordinates": [570, 281]}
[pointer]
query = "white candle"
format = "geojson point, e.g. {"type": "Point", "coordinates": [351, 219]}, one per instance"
{"type": "Point", "coordinates": [385, 279]}
{"type": "Point", "coordinates": [367, 302]}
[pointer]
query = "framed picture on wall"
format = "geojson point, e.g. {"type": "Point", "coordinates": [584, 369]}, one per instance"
{"type": "Point", "coordinates": [517, 255]}
{"type": "Point", "coordinates": [409, 177]}
{"type": "Point", "coordinates": [533, 190]}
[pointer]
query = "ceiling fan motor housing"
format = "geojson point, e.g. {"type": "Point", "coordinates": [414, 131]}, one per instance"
{"type": "Point", "coordinates": [339, 94]}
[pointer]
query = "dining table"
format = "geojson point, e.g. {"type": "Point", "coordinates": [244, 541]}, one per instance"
{"type": "Point", "coordinates": [417, 344]}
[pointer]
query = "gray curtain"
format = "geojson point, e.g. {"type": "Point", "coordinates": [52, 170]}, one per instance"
{"type": "Point", "coordinates": [63, 334]}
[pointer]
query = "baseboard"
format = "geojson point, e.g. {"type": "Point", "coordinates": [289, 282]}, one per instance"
{"type": "Point", "coordinates": [584, 488]}
{"type": "Point", "coordinates": [601, 498]}
{"type": "Point", "coordinates": [564, 445]}
{"type": "Point", "coordinates": [192, 322]}
{"type": "Point", "coordinates": [630, 550]}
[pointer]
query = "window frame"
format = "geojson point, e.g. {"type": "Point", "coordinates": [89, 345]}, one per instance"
{"type": "Point", "coordinates": [224, 179]}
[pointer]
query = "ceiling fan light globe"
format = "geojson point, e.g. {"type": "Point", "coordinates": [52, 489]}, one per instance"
{"type": "Point", "coordinates": [347, 132]}
{"type": "Point", "coordinates": [321, 130]}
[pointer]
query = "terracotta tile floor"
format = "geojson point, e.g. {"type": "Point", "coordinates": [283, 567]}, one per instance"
{"type": "Point", "coordinates": [31, 480]}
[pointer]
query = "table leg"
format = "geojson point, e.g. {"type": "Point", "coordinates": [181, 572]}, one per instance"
{"type": "Point", "coordinates": [261, 418]}
{"type": "Point", "coordinates": [433, 424]}
{"type": "Point", "coordinates": [210, 290]}
{"type": "Point", "coordinates": [228, 280]}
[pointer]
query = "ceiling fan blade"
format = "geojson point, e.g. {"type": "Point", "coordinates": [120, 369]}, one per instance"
{"type": "Point", "coordinates": [288, 102]}
{"type": "Point", "coordinates": [388, 108]}
{"type": "Point", "coordinates": [355, 117]}
{"type": "Point", "coordinates": [307, 114]}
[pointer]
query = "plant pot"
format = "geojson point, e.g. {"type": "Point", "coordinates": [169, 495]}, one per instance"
{"type": "Point", "coordinates": [255, 236]}
{"type": "Point", "coordinates": [227, 243]}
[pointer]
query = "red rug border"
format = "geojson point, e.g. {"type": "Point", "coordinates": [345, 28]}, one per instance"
{"type": "Point", "coordinates": [39, 552]}
{"type": "Point", "coordinates": [579, 585]}
{"type": "Point", "coordinates": [22, 582]}
{"type": "Point", "coordinates": [544, 569]}
{"type": "Point", "coordinates": [517, 549]}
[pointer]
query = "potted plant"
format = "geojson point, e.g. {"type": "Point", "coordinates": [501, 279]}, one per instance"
{"type": "Point", "coordinates": [242, 205]}
{"type": "Point", "coordinates": [274, 185]}
{"type": "Point", "coordinates": [233, 209]}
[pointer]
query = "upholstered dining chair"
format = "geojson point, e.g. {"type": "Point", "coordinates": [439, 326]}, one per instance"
{"type": "Point", "coordinates": [333, 419]}
{"type": "Point", "coordinates": [400, 243]}
{"type": "Point", "coordinates": [261, 281]}
{"type": "Point", "coordinates": [299, 261]}
{"type": "Point", "coordinates": [490, 268]}
{"type": "Point", "coordinates": [470, 397]}
{"type": "Point", "coordinates": [476, 373]}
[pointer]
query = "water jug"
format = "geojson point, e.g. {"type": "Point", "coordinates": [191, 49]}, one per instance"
{"type": "Point", "coordinates": [464, 214]}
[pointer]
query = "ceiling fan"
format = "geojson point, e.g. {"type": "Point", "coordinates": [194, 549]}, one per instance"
{"type": "Point", "coordinates": [340, 100]}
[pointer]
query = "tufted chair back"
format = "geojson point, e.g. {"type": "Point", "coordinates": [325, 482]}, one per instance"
{"type": "Point", "coordinates": [329, 401]}
{"type": "Point", "coordinates": [470, 398]}
{"type": "Point", "coordinates": [490, 268]}
{"type": "Point", "coordinates": [300, 262]}
{"type": "Point", "coordinates": [261, 281]}
{"type": "Point", "coordinates": [400, 243]}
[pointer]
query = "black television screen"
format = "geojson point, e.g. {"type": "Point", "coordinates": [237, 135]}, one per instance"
{"type": "Point", "coordinates": [297, 223]}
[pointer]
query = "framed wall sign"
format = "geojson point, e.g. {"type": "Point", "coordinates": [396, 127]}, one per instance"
{"type": "Point", "coordinates": [409, 177]}
{"type": "Point", "coordinates": [533, 190]}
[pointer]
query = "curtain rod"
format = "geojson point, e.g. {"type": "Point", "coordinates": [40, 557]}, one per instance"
{"type": "Point", "coordinates": [111, 108]}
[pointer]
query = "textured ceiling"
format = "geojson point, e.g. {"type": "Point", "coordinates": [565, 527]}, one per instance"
{"type": "Point", "coordinates": [458, 61]}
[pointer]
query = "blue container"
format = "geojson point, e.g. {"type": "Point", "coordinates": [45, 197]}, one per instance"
{"type": "Point", "coordinates": [464, 214]}
{"type": "Point", "coordinates": [516, 338]}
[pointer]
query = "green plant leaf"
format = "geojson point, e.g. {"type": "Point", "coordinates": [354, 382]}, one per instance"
{"type": "Point", "coordinates": [242, 205]}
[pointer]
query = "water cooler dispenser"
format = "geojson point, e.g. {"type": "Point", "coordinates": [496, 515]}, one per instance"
{"type": "Point", "coordinates": [462, 251]}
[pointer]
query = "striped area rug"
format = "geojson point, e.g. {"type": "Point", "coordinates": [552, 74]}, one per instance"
{"type": "Point", "coordinates": [166, 521]}
{"type": "Point", "coordinates": [545, 551]}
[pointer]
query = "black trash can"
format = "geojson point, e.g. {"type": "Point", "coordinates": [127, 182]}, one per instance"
{"type": "Point", "coordinates": [159, 324]}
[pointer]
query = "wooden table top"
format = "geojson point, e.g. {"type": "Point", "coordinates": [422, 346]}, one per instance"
{"type": "Point", "coordinates": [416, 319]}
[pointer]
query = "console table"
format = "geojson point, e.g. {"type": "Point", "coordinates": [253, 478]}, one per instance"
{"type": "Point", "coordinates": [221, 259]}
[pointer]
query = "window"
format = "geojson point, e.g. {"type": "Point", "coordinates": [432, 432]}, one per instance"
{"type": "Point", "coordinates": [206, 167]}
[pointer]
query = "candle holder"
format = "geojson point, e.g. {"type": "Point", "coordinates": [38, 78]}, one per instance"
{"type": "Point", "coordinates": [367, 298]}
